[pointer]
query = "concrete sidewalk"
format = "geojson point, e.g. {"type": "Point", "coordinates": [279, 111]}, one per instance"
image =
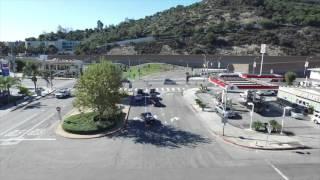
{"type": "Point", "coordinates": [241, 137]}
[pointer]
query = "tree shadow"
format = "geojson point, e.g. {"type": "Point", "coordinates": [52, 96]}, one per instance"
{"type": "Point", "coordinates": [161, 135]}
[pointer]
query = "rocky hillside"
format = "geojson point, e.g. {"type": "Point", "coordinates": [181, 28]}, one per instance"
{"type": "Point", "coordinates": [237, 27]}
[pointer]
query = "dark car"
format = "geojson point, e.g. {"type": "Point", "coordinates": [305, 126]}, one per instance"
{"type": "Point", "coordinates": [140, 91]}
{"type": "Point", "coordinates": [148, 118]}
{"type": "Point", "coordinates": [157, 103]}
{"type": "Point", "coordinates": [169, 81]}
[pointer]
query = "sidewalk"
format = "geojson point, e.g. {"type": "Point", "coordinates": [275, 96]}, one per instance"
{"type": "Point", "coordinates": [241, 137]}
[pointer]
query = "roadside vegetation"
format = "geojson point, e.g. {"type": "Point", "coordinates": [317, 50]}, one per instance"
{"type": "Point", "coordinates": [262, 127]}
{"type": "Point", "coordinates": [146, 69]}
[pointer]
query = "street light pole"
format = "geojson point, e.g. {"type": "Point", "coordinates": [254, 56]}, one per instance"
{"type": "Point", "coordinates": [251, 114]}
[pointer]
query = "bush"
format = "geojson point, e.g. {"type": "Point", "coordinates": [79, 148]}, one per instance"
{"type": "Point", "coordinates": [24, 91]}
{"type": "Point", "coordinates": [290, 77]}
{"type": "Point", "coordinates": [200, 104]}
{"type": "Point", "coordinates": [258, 126]}
{"type": "Point", "coordinates": [276, 127]}
{"type": "Point", "coordinates": [85, 123]}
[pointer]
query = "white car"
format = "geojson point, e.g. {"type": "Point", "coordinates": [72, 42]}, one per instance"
{"type": "Point", "coordinates": [228, 112]}
{"type": "Point", "coordinates": [62, 93]}
{"type": "Point", "coordinates": [316, 118]}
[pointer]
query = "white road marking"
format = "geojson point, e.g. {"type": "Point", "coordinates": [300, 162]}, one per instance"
{"type": "Point", "coordinates": [14, 133]}
{"type": "Point", "coordinates": [174, 119]}
{"type": "Point", "coordinates": [183, 89]}
{"type": "Point", "coordinates": [173, 89]}
{"type": "Point", "coordinates": [135, 89]}
{"type": "Point", "coordinates": [178, 89]}
{"type": "Point", "coordinates": [157, 89]}
{"type": "Point", "coordinates": [13, 127]}
{"type": "Point", "coordinates": [36, 125]}
{"type": "Point", "coordinates": [277, 170]}
{"type": "Point", "coordinates": [31, 139]}
{"type": "Point", "coordinates": [168, 89]}
{"type": "Point", "coordinates": [162, 89]}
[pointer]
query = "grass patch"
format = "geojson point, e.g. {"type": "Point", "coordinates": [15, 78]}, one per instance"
{"type": "Point", "coordinates": [85, 124]}
{"type": "Point", "coordinates": [146, 69]}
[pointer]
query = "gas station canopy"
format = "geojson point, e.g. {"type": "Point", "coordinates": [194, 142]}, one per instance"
{"type": "Point", "coordinates": [240, 82]}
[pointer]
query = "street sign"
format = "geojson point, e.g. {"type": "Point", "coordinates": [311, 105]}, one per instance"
{"type": "Point", "coordinates": [254, 64]}
{"type": "Point", "coordinates": [263, 48]}
{"type": "Point", "coordinates": [269, 128]}
{"type": "Point", "coordinates": [306, 64]}
{"type": "Point", "coordinates": [58, 109]}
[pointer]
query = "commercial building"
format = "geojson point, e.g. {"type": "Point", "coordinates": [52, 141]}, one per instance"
{"type": "Point", "coordinates": [63, 46]}
{"type": "Point", "coordinates": [64, 68]}
{"type": "Point", "coordinates": [303, 96]}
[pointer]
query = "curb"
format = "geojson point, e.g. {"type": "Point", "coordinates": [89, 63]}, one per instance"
{"type": "Point", "coordinates": [68, 135]}
{"type": "Point", "coordinates": [262, 148]}
{"type": "Point", "coordinates": [25, 103]}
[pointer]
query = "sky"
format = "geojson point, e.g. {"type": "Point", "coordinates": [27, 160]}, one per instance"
{"type": "Point", "coordinates": [20, 19]}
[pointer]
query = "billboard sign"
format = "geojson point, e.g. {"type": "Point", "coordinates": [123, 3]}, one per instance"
{"type": "Point", "coordinates": [263, 48]}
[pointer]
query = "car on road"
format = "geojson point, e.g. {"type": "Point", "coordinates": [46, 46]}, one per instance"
{"type": "Point", "coordinates": [148, 118]}
{"type": "Point", "coordinates": [316, 118]}
{"type": "Point", "coordinates": [228, 112]}
{"type": "Point", "coordinates": [140, 91]}
{"type": "Point", "coordinates": [157, 103]}
{"type": "Point", "coordinates": [62, 93]}
{"type": "Point", "coordinates": [266, 93]}
{"type": "Point", "coordinates": [169, 82]}
{"type": "Point", "coordinates": [297, 113]}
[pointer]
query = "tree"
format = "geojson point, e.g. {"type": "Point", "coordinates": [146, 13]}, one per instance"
{"type": "Point", "coordinates": [99, 25]}
{"type": "Point", "coordinates": [20, 65]}
{"type": "Point", "coordinates": [47, 75]}
{"type": "Point", "coordinates": [31, 69]}
{"type": "Point", "coordinates": [52, 49]}
{"type": "Point", "coordinates": [98, 89]}
{"type": "Point", "coordinates": [6, 83]}
{"type": "Point", "coordinates": [290, 77]}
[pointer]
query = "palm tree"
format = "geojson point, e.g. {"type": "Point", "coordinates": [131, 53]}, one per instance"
{"type": "Point", "coordinates": [31, 69]}
{"type": "Point", "coordinates": [9, 82]}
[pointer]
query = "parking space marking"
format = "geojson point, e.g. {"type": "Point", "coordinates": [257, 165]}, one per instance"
{"type": "Point", "coordinates": [168, 89]}
{"type": "Point", "coordinates": [162, 89]}
{"type": "Point", "coordinates": [14, 133]}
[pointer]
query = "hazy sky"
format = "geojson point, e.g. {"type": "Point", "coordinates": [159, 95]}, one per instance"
{"type": "Point", "coordinates": [25, 18]}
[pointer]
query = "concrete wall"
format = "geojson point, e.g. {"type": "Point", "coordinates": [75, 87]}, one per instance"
{"type": "Point", "coordinates": [279, 64]}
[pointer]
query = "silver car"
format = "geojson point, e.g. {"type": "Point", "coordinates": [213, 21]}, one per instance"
{"type": "Point", "coordinates": [297, 114]}
{"type": "Point", "coordinates": [228, 112]}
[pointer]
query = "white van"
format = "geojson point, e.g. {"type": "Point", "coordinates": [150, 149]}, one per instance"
{"type": "Point", "coordinates": [316, 118]}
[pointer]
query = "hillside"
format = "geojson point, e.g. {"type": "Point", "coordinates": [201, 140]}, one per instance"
{"type": "Point", "coordinates": [238, 27]}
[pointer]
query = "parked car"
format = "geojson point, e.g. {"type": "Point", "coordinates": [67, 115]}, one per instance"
{"type": "Point", "coordinates": [169, 81]}
{"type": "Point", "coordinates": [148, 118]}
{"type": "Point", "coordinates": [297, 113]}
{"type": "Point", "coordinates": [138, 97]}
{"type": "Point", "coordinates": [266, 93]}
{"type": "Point", "coordinates": [228, 112]}
{"type": "Point", "coordinates": [140, 91]}
{"type": "Point", "coordinates": [62, 93]}
{"type": "Point", "coordinates": [316, 119]}
{"type": "Point", "coordinates": [157, 103]}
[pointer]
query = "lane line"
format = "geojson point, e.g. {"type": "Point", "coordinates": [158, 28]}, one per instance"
{"type": "Point", "coordinates": [36, 125]}
{"type": "Point", "coordinates": [277, 170]}
{"type": "Point", "coordinates": [17, 125]}
{"type": "Point", "coordinates": [21, 139]}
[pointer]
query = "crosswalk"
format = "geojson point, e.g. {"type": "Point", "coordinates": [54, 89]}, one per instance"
{"type": "Point", "coordinates": [158, 89]}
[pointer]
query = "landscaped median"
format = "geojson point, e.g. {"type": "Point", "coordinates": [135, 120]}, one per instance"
{"type": "Point", "coordinates": [78, 125]}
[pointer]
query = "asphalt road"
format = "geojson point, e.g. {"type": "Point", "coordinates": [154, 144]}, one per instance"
{"type": "Point", "coordinates": [181, 147]}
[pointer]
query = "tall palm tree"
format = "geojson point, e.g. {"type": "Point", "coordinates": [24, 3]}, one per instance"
{"type": "Point", "coordinates": [31, 69]}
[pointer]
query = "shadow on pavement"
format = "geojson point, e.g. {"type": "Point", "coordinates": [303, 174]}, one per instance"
{"type": "Point", "coordinates": [161, 135]}
{"type": "Point", "coordinates": [37, 105]}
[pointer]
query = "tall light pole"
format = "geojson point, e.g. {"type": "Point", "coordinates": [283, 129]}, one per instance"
{"type": "Point", "coordinates": [263, 51]}
{"type": "Point", "coordinates": [283, 116]}
{"type": "Point", "coordinates": [251, 114]}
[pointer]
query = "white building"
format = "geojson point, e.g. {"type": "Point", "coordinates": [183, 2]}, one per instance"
{"type": "Point", "coordinates": [314, 73]}
{"type": "Point", "coordinates": [63, 46]}
{"type": "Point", "coordinates": [301, 95]}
